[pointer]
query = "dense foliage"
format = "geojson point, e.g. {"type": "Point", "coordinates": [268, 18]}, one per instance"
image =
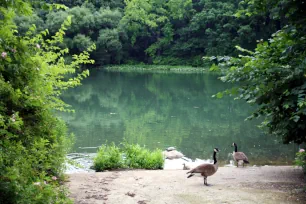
{"type": "Point", "coordinates": [300, 160]}
{"type": "Point", "coordinates": [274, 76]}
{"type": "Point", "coordinates": [33, 142]}
{"type": "Point", "coordinates": [173, 32]}
{"type": "Point", "coordinates": [137, 157]}
{"type": "Point", "coordinates": [108, 157]}
{"type": "Point", "coordinates": [129, 156]}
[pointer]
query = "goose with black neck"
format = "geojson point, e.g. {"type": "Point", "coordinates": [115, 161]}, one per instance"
{"type": "Point", "coordinates": [206, 169]}
{"type": "Point", "coordinates": [239, 156]}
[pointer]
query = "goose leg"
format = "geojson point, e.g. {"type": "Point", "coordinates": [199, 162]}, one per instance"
{"type": "Point", "coordinates": [205, 181]}
{"type": "Point", "coordinates": [243, 164]}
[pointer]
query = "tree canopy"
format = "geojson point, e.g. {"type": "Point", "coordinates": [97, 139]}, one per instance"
{"type": "Point", "coordinates": [274, 75]}
{"type": "Point", "coordinates": [173, 32]}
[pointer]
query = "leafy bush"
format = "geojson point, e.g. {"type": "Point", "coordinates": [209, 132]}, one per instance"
{"type": "Point", "coordinates": [140, 158]}
{"type": "Point", "coordinates": [32, 140]}
{"type": "Point", "coordinates": [136, 157]}
{"type": "Point", "coordinates": [81, 42]}
{"type": "Point", "coordinates": [300, 159]}
{"type": "Point", "coordinates": [108, 157]}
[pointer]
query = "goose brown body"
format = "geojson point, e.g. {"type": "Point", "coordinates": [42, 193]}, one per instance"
{"type": "Point", "coordinates": [205, 169]}
{"type": "Point", "coordinates": [239, 156]}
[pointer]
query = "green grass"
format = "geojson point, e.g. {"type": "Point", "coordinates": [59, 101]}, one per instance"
{"type": "Point", "coordinates": [160, 68]}
{"type": "Point", "coordinates": [136, 157]}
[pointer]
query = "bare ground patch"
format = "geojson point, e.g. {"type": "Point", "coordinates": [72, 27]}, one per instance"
{"type": "Point", "coordinates": [280, 184]}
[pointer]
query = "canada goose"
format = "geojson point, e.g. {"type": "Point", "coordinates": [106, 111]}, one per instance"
{"type": "Point", "coordinates": [239, 156]}
{"type": "Point", "coordinates": [206, 169]}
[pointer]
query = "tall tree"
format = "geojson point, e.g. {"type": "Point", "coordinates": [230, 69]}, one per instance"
{"type": "Point", "coordinates": [274, 76]}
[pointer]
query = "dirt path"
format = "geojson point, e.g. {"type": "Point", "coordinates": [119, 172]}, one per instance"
{"type": "Point", "coordinates": [262, 185]}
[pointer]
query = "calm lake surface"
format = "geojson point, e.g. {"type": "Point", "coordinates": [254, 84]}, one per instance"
{"type": "Point", "coordinates": [159, 110]}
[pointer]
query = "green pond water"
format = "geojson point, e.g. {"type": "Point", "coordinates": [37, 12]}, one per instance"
{"type": "Point", "coordinates": [159, 110]}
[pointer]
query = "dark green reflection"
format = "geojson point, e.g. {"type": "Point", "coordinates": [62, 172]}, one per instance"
{"type": "Point", "coordinates": [167, 109]}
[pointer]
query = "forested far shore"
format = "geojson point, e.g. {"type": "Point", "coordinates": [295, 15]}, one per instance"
{"type": "Point", "coordinates": [173, 32]}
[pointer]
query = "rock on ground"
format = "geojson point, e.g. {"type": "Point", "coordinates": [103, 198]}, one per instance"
{"type": "Point", "coordinates": [174, 154]}
{"type": "Point", "coordinates": [271, 184]}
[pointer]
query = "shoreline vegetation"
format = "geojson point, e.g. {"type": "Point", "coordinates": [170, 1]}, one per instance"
{"type": "Point", "coordinates": [129, 157]}
{"type": "Point", "coordinates": [156, 68]}
{"type": "Point", "coordinates": [262, 184]}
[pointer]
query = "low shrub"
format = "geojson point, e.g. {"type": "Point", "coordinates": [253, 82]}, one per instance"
{"type": "Point", "coordinates": [135, 157]}
{"type": "Point", "coordinates": [300, 159]}
{"type": "Point", "coordinates": [108, 157]}
{"type": "Point", "coordinates": [44, 192]}
{"type": "Point", "coordinates": [140, 158]}
{"type": "Point", "coordinates": [154, 160]}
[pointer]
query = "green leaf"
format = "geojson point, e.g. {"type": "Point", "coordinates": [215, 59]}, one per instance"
{"type": "Point", "coordinates": [219, 95]}
{"type": "Point", "coordinates": [286, 106]}
{"type": "Point", "coordinates": [296, 118]}
{"type": "Point", "coordinates": [214, 67]}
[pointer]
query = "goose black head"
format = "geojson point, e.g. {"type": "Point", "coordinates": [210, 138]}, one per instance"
{"type": "Point", "coordinates": [216, 150]}
{"type": "Point", "coordinates": [234, 144]}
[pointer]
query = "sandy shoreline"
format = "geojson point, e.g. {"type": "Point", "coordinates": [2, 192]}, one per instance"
{"type": "Point", "coordinates": [268, 184]}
